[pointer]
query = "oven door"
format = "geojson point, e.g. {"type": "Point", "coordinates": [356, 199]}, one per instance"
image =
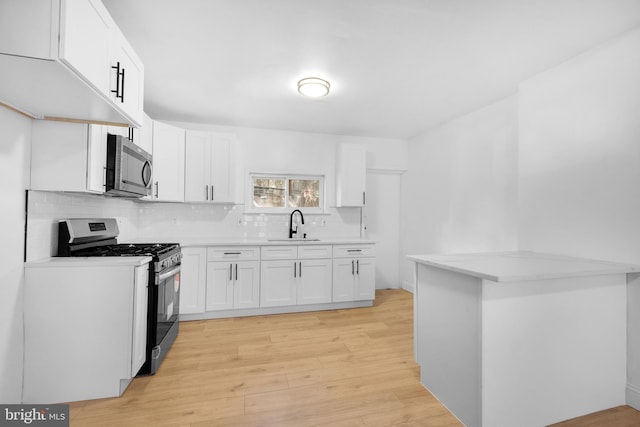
{"type": "Point", "coordinates": [162, 320]}
{"type": "Point", "coordinates": [168, 299]}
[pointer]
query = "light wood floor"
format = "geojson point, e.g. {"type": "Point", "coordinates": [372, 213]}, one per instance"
{"type": "Point", "coordinates": [332, 368]}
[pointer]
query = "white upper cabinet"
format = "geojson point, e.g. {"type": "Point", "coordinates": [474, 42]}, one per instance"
{"type": "Point", "coordinates": [197, 166]}
{"type": "Point", "coordinates": [57, 56]}
{"type": "Point", "coordinates": [68, 157]}
{"type": "Point", "coordinates": [84, 40]}
{"type": "Point", "coordinates": [168, 162]}
{"type": "Point", "coordinates": [126, 80]}
{"type": "Point", "coordinates": [207, 167]}
{"type": "Point", "coordinates": [144, 137]}
{"type": "Point", "coordinates": [351, 175]}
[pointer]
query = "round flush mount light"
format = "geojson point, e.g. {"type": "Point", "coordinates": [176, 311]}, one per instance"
{"type": "Point", "coordinates": [313, 87]}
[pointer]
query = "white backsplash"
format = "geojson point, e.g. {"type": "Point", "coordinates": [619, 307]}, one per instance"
{"type": "Point", "coordinates": [46, 208]}
{"type": "Point", "coordinates": [172, 222]}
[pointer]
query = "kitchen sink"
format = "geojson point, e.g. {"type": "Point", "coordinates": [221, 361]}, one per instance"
{"type": "Point", "coordinates": [293, 240]}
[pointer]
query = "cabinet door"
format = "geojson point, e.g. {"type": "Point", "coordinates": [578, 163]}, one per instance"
{"type": "Point", "coordinates": [314, 281]}
{"type": "Point", "coordinates": [197, 167]}
{"type": "Point", "coordinates": [168, 162]}
{"type": "Point", "coordinates": [29, 28]}
{"type": "Point", "coordinates": [84, 41]}
{"type": "Point", "coordinates": [246, 288]}
{"type": "Point", "coordinates": [219, 286]}
{"type": "Point", "coordinates": [126, 84]}
{"type": "Point", "coordinates": [351, 174]}
{"type": "Point", "coordinates": [97, 159]}
{"type": "Point", "coordinates": [144, 139]}
{"type": "Point", "coordinates": [59, 156]}
{"type": "Point", "coordinates": [278, 283]}
{"type": "Point", "coordinates": [193, 278]}
{"type": "Point", "coordinates": [220, 170]}
{"type": "Point", "coordinates": [365, 283]}
{"type": "Point", "coordinates": [139, 344]}
{"type": "Point", "coordinates": [343, 279]}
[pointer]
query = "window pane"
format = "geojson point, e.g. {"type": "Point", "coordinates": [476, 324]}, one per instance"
{"type": "Point", "coordinates": [304, 193]}
{"type": "Point", "coordinates": [268, 192]}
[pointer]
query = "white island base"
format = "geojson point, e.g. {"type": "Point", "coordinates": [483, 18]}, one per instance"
{"type": "Point", "coordinates": [521, 339]}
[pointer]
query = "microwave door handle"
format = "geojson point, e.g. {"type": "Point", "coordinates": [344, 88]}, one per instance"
{"type": "Point", "coordinates": [146, 173]}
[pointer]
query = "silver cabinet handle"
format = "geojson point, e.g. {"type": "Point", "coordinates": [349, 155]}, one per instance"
{"type": "Point", "coordinates": [358, 267]}
{"type": "Point", "coordinates": [300, 270]}
{"type": "Point", "coordinates": [230, 271]}
{"type": "Point", "coordinates": [364, 198]}
{"type": "Point", "coordinates": [236, 272]}
{"type": "Point", "coordinates": [212, 192]}
{"type": "Point", "coordinates": [157, 189]}
{"type": "Point", "coordinates": [352, 268]}
{"type": "Point", "coordinates": [294, 270]}
{"type": "Point", "coordinates": [206, 192]}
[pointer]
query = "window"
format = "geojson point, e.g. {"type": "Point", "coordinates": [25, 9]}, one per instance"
{"type": "Point", "coordinates": [281, 193]}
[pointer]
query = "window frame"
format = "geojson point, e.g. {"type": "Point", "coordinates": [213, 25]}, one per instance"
{"type": "Point", "coordinates": [249, 207]}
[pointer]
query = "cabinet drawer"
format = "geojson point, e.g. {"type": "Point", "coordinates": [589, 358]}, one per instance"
{"type": "Point", "coordinates": [350, 251]}
{"type": "Point", "coordinates": [314, 252]}
{"type": "Point", "coordinates": [279, 252]}
{"type": "Point", "coordinates": [223, 253]}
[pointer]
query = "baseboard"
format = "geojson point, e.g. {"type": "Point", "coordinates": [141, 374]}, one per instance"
{"type": "Point", "coordinates": [408, 286]}
{"type": "Point", "coordinates": [633, 396]}
{"type": "Point", "coordinates": [261, 311]}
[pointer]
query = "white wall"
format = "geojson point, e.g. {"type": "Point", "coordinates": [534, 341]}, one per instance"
{"type": "Point", "coordinates": [579, 173]}
{"type": "Point", "coordinates": [460, 193]}
{"type": "Point", "coordinates": [553, 169]}
{"type": "Point", "coordinates": [14, 166]}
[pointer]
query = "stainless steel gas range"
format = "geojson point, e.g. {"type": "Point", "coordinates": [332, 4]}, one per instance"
{"type": "Point", "coordinates": [93, 237]}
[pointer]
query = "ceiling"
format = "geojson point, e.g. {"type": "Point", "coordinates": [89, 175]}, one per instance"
{"type": "Point", "coordinates": [396, 67]}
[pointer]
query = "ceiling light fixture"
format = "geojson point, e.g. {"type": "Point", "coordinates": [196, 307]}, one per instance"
{"type": "Point", "coordinates": [313, 87]}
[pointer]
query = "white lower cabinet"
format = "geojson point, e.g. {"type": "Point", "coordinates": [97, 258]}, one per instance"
{"type": "Point", "coordinates": [193, 280]}
{"type": "Point", "coordinates": [278, 283]}
{"type": "Point", "coordinates": [233, 285]}
{"type": "Point", "coordinates": [354, 273]}
{"type": "Point", "coordinates": [302, 277]}
{"type": "Point", "coordinates": [233, 278]}
{"type": "Point", "coordinates": [221, 281]}
{"type": "Point", "coordinates": [85, 328]}
{"type": "Point", "coordinates": [314, 281]}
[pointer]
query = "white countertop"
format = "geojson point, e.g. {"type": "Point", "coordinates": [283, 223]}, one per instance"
{"type": "Point", "coordinates": [516, 266]}
{"type": "Point", "coordinates": [208, 241]}
{"type": "Point", "coordinates": [106, 261]}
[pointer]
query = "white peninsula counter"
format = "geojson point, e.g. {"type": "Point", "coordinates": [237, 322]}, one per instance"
{"type": "Point", "coordinates": [521, 338]}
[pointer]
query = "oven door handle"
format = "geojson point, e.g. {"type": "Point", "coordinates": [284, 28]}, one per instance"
{"type": "Point", "coordinates": [169, 273]}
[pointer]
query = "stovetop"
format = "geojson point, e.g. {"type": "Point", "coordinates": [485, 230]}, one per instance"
{"type": "Point", "coordinates": [159, 250]}
{"type": "Point", "coordinates": [165, 255]}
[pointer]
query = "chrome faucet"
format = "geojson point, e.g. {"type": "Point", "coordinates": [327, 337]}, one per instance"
{"type": "Point", "coordinates": [291, 230]}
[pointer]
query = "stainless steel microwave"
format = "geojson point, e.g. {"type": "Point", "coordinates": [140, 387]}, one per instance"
{"type": "Point", "coordinates": [128, 168]}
